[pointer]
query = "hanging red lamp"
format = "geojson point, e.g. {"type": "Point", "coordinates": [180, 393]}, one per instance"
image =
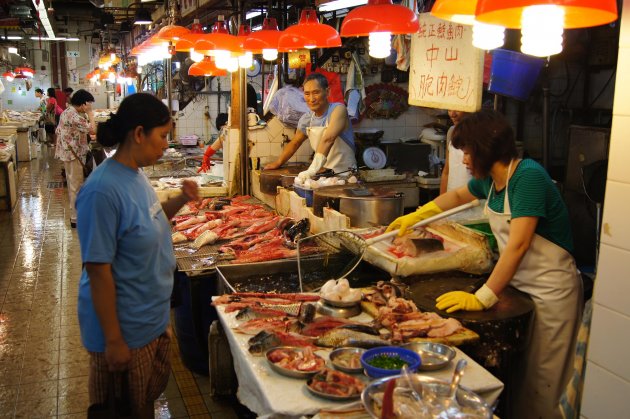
{"type": "Point", "coordinates": [187, 42]}
{"type": "Point", "coordinates": [172, 33]}
{"type": "Point", "coordinates": [265, 40]}
{"type": "Point", "coordinates": [308, 33]}
{"type": "Point", "coordinates": [220, 45]}
{"type": "Point", "coordinates": [206, 68]}
{"type": "Point", "coordinates": [23, 72]}
{"type": "Point", "coordinates": [245, 59]}
{"type": "Point", "coordinates": [9, 76]}
{"type": "Point", "coordinates": [379, 19]}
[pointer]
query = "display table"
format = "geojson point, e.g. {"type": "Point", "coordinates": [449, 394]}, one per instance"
{"type": "Point", "coordinates": [269, 394]}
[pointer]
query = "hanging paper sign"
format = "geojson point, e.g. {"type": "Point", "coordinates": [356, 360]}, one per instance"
{"type": "Point", "coordinates": [446, 70]}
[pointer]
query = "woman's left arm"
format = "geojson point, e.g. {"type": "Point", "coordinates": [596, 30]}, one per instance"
{"type": "Point", "coordinates": [522, 230]}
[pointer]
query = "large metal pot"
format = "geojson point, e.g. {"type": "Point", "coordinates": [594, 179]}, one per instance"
{"type": "Point", "coordinates": [271, 179]}
{"type": "Point", "coordinates": [365, 206]}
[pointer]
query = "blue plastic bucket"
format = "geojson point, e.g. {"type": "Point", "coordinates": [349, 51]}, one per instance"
{"type": "Point", "coordinates": [513, 74]}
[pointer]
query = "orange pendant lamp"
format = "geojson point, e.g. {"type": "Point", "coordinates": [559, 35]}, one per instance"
{"type": "Point", "coordinates": [485, 36]}
{"type": "Point", "coordinates": [187, 42]}
{"type": "Point", "coordinates": [206, 68]}
{"type": "Point", "coordinates": [245, 58]}
{"type": "Point", "coordinates": [308, 33]}
{"type": "Point", "coordinates": [542, 22]}
{"type": "Point", "coordinates": [23, 72]}
{"type": "Point", "coordinates": [9, 76]}
{"type": "Point", "coordinates": [220, 45]}
{"type": "Point", "coordinates": [172, 33]}
{"type": "Point", "coordinates": [265, 40]}
{"type": "Point", "coordinates": [380, 19]}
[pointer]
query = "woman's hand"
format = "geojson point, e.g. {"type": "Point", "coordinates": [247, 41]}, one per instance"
{"type": "Point", "coordinates": [190, 190]}
{"type": "Point", "coordinates": [117, 355]}
{"type": "Point", "coordinates": [272, 166]}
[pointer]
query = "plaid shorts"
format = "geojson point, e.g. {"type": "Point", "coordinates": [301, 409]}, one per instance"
{"type": "Point", "coordinates": [148, 373]}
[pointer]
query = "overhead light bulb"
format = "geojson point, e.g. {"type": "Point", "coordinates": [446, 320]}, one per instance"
{"type": "Point", "coordinates": [246, 60]}
{"type": "Point", "coordinates": [270, 54]}
{"type": "Point", "coordinates": [380, 44]}
{"type": "Point", "coordinates": [309, 46]}
{"type": "Point", "coordinates": [221, 55]}
{"type": "Point", "coordinates": [232, 64]}
{"type": "Point", "coordinates": [13, 50]}
{"type": "Point", "coordinates": [112, 77]}
{"type": "Point", "coordinates": [112, 56]}
{"type": "Point", "coordinates": [542, 29]}
{"type": "Point", "coordinates": [485, 36]}
{"type": "Point", "coordinates": [139, 69]}
{"type": "Point", "coordinates": [195, 56]}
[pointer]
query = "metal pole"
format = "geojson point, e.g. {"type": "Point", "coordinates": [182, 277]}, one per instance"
{"type": "Point", "coordinates": [169, 92]}
{"type": "Point", "coordinates": [545, 126]}
{"type": "Point", "coordinates": [242, 128]}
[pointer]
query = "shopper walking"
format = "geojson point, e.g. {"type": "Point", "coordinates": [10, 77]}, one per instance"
{"type": "Point", "coordinates": [75, 124]}
{"type": "Point", "coordinates": [51, 116]}
{"type": "Point", "coordinates": [127, 251]}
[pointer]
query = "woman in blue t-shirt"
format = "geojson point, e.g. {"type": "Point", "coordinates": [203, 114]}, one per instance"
{"type": "Point", "coordinates": [127, 252]}
{"type": "Point", "coordinates": [531, 224]}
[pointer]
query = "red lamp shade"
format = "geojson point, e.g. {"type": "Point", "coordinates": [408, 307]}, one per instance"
{"type": "Point", "coordinates": [577, 13]}
{"type": "Point", "coordinates": [9, 76]}
{"type": "Point", "coordinates": [172, 32]}
{"type": "Point", "coordinates": [266, 38]}
{"type": "Point", "coordinates": [308, 33]}
{"type": "Point", "coordinates": [379, 16]}
{"type": "Point", "coordinates": [188, 41]}
{"type": "Point", "coordinates": [206, 68]}
{"type": "Point", "coordinates": [244, 31]}
{"type": "Point", "coordinates": [219, 39]}
{"type": "Point", "coordinates": [460, 11]}
{"type": "Point", "coordinates": [24, 72]}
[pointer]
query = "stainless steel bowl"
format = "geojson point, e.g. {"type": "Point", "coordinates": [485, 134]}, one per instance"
{"type": "Point", "coordinates": [328, 395]}
{"type": "Point", "coordinates": [291, 373]}
{"type": "Point", "coordinates": [434, 356]}
{"type": "Point", "coordinates": [342, 351]}
{"type": "Point", "coordinates": [343, 312]}
{"type": "Point", "coordinates": [343, 304]}
{"type": "Point", "coordinates": [432, 393]}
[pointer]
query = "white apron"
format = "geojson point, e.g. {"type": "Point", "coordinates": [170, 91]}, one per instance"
{"type": "Point", "coordinates": [341, 156]}
{"type": "Point", "coordinates": [548, 274]}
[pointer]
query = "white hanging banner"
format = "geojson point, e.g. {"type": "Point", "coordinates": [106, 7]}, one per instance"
{"type": "Point", "coordinates": [446, 70]}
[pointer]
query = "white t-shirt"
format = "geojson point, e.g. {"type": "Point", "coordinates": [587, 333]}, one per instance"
{"type": "Point", "coordinates": [458, 174]}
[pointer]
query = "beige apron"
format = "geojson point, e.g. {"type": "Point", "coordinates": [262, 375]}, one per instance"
{"type": "Point", "coordinates": [548, 274]}
{"type": "Point", "coordinates": [340, 157]}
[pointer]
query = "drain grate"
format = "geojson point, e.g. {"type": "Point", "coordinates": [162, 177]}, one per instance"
{"type": "Point", "coordinates": [55, 185]}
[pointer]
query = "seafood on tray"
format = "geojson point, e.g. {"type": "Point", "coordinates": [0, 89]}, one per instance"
{"type": "Point", "coordinates": [339, 291]}
{"type": "Point", "coordinates": [296, 359]}
{"type": "Point", "coordinates": [335, 383]}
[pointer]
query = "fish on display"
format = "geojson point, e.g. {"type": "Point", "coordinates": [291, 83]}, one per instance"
{"type": "Point", "coordinates": [257, 312]}
{"type": "Point", "coordinates": [307, 313]}
{"type": "Point", "coordinates": [339, 337]}
{"type": "Point", "coordinates": [263, 341]}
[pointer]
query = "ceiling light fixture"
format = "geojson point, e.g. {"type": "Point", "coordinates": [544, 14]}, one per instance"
{"type": "Point", "coordinates": [265, 40]}
{"type": "Point", "coordinates": [340, 4]}
{"type": "Point", "coordinates": [43, 18]}
{"type": "Point", "coordinates": [143, 17]}
{"type": "Point", "coordinates": [308, 33]}
{"type": "Point", "coordinates": [9, 76]}
{"type": "Point", "coordinates": [543, 22]}
{"type": "Point", "coordinates": [485, 36]}
{"type": "Point", "coordinates": [380, 19]}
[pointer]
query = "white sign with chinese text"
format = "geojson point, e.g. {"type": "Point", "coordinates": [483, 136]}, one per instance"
{"type": "Point", "coordinates": [72, 54]}
{"type": "Point", "coordinates": [446, 70]}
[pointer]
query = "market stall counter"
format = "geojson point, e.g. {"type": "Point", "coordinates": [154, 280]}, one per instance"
{"type": "Point", "coordinates": [269, 394]}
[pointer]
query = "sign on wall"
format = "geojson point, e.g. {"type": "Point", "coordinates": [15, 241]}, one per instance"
{"type": "Point", "coordinates": [72, 54]}
{"type": "Point", "coordinates": [446, 70]}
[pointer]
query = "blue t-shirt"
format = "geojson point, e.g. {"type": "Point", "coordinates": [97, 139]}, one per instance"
{"type": "Point", "coordinates": [310, 120]}
{"type": "Point", "coordinates": [121, 222]}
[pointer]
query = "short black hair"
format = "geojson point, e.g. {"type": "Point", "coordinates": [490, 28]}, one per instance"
{"type": "Point", "coordinates": [68, 90]}
{"type": "Point", "coordinates": [81, 97]}
{"type": "Point", "coordinates": [488, 137]}
{"type": "Point", "coordinates": [221, 120]}
{"type": "Point", "coordinates": [137, 110]}
{"type": "Point", "coordinates": [50, 92]}
{"type": "Point", "coordinates": [38, 90]}
{"type": "Point", "coordinates": [319, 77]}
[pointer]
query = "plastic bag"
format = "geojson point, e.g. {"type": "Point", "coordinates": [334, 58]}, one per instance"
{"type": "Point", "coordinates": [288, 105]}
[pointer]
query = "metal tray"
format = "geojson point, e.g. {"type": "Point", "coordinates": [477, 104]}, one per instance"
{"type": "Point", "coordinates": [287, 372]}
{"type": "Point", "coordinates": [434, 356]}
{"type": "Point", "coordinates": [330, 396]}
{"type": "Point", "coordinates": [338, 352]}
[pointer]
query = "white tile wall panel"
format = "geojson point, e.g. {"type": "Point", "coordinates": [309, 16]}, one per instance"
{"type": "Point", "coordinates": [606, 348]}
{"type": "Point", "coordinates": [612, 287]}
{"type": "Point", "coordinates": [605, 394]}
{"type": "Point", "coordinates": [615, 225]}
{"type": "Point", "coordinates": [624, 35]}
{"type": "Point", "coordinates": [618, 167]}
{"type": "Point", "coordinates": [621, 104]}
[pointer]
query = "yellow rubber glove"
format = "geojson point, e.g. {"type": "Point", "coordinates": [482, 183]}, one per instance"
{"type": "Point", "coordinates": [458, 300]}
{"type": "Point", "coordinates": [403, 223]}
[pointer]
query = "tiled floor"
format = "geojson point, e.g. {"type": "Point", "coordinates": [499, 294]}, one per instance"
{"type": "Point", "coordinates": [43, 367]}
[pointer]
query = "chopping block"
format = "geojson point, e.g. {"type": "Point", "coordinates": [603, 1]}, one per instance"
{"type": "Point", "coordinates": [503, 329]}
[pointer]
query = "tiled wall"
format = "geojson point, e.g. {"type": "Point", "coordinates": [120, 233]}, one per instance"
{"type": "Point", "coordinates": [607, 385]}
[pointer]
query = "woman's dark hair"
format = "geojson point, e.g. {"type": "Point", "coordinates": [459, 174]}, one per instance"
{"type": "Point", "coordinates": [40, 91]}
{"type": "Point", "coordinates": [81, 97]}
{"type": "Point", "coordinates": [488, 137]}
{"type": "Point", "coordinates": [50, 92]}
{"type": "Point", "coordinates": [321, 79]}
{"type": "Point", "coordinates": [139, 109]}
{"type": "Point", "coordinates": [68, 90]}
{"type": "Point", "coordinates": [221, 120]}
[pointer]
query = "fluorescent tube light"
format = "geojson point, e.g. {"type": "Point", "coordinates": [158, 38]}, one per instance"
{"type": "Point", "coordinates": [340, 4]}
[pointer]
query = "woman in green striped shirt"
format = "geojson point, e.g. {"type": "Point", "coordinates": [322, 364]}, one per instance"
{"type": "Point", "coordinates": [531, 224]}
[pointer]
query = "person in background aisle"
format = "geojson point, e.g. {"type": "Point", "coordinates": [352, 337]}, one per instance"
{"type": "Point", "coordinates": [62, 99]}
{"type": "Point", "coordinates": [531, 224]}
{"type": "Point", "coordinates": [220, 122]}
{"type": "Point", "coordinates": [455, 173]}
{"type": "Point", "coordinates": [128, 257]}
{"type": "Point", "coordinates": [39, 94]}
{"type": "Point", "coordinates": [68, 92]}
{"type": "Point", "coordinates": [75, 124]}
{"type": "Point", "coordinates": [327, 128]}
{"type": "Point", "coordinates": [52, 108]}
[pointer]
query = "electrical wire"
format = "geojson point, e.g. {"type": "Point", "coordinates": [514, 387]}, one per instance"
{"type": "Point", "coordinates": [601, 92]}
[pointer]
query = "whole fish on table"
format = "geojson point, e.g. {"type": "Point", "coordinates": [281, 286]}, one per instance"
{"type": "Point", "coordinates": [339, 337]}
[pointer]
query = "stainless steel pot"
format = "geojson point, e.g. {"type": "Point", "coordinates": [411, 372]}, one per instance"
{"type": "Point", "coordinates": [365, 206]}
{"type": "Point", "coordinates": [271, 179]}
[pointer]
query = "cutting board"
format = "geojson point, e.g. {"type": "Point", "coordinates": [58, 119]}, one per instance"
{"type": "Point", "coordinates": [462, 337]}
